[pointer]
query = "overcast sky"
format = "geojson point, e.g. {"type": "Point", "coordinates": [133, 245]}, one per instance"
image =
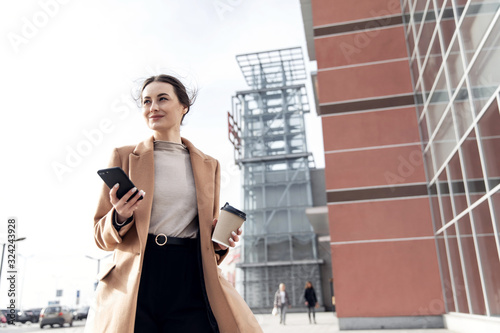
{"type": "Point", "coordinates": [67, 72]}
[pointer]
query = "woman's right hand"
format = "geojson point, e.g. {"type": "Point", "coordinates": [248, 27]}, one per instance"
{"type": "Point", "coordinates": [124, 209]}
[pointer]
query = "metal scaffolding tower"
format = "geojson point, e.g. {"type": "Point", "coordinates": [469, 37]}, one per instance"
{"type": "Point", "coordinates": [266, 127]}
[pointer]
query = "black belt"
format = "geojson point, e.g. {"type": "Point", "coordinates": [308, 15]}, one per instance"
{"type": "Point", "coordinates": [162, 239]}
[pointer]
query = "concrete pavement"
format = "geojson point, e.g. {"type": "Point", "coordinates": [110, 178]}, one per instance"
{"type": "Point", "coordinates": [326, 323]}
{"type": "Point", "coordinates": [295, 323]}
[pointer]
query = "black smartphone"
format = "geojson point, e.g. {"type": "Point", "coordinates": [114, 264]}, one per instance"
{"type": "Point", "coordinates": [111, 176]}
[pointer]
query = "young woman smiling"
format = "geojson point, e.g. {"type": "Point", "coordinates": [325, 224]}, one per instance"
{"type": "Point", "coordinates": [164, 276]}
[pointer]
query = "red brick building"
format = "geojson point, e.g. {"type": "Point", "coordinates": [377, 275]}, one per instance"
{"type": "Point", "coordinates": [384, 72]}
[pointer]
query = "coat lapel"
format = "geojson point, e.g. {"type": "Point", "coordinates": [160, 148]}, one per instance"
{"type": "Point", "coordinates": [141, 172]}
{"type": "Point", "coordinates": [204, 179]}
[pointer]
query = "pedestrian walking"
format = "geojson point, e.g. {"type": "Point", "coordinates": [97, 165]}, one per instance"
{"type": "Point", "coordinates": [281, 301]}
{"type": "Point", "coordinates": [311, 301]}
{"type": "Point", "coordinates": [164, 276]}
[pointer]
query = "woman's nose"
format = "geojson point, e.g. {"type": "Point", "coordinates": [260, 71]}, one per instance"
{"type": "Point", "coordinates": [154, 106]}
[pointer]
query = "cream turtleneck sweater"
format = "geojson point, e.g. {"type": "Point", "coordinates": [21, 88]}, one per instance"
{"type": "Point", "coordinates": [174, 199]}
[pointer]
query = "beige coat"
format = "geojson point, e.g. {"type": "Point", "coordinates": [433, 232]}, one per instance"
{"type": "Point", "coordinates": [116, 294]}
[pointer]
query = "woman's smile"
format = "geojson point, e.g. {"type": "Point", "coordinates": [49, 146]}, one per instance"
{"type": "Point", "coordinates": [156, 117]}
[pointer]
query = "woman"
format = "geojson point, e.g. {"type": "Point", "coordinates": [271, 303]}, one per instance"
{"type": "Point", "coordinates": [281, 301]}
{"type": "Point", "coordinates": [164, 276]}
{"type": "Point", "coordinates": [311, 300]}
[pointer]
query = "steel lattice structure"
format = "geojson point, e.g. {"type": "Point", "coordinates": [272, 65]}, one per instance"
{"type": "Point", "coordinates": [267, 128]}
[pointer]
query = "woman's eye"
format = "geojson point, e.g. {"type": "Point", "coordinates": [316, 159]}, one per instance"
{"type": "Point", "coordinates": [163, 98]}
{"type": "Point", "coordinates": [146, 102]}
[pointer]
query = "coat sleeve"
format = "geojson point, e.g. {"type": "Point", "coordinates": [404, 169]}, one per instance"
{"type": "Point", "coordinates": [105, 234]}
{"type": "Point", "coordinates": [219, 255]}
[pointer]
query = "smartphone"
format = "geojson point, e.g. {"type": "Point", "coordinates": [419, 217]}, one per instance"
{"type": "Point", "coordinates": [111, 176]}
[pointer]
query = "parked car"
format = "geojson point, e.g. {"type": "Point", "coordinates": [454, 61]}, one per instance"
{"type": "Point", "coordinates": [4, 313]}
{"type": "Point", "coordinates": [56, 314]}
{"type": "Point", "coordinates": [11, 315]}
{"type": "Point", "coordinates": [25, 317]}
{"type": "Point", "coordinates": [29, 315]}
{"type": "Point", "coordinates": [36, 313]}
{"type": "Point", "coordinates": [81, 313]}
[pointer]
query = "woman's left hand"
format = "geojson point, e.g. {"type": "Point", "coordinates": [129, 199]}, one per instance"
{"type": "Point", "coordinates": [232, 241]}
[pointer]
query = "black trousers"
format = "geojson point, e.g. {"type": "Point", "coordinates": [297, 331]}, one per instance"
{"type": "Point", "coordinates": [172, 295]}
{"type": "Point", "coordinates": [309, 310]}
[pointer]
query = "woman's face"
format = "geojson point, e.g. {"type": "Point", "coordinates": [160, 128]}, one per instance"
{"type": "Point", "coordinates": [161, 108]}
{"type": "Point", "coordinates": [282, 287]}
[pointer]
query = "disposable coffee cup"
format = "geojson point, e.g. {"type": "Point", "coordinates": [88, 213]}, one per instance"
{"type": "Point", "coordinates": [230, 219]}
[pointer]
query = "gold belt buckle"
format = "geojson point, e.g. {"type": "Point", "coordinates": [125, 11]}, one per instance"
{"type": "Point", "coordinates": [156, 239]}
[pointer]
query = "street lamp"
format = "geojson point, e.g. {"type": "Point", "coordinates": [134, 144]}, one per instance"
{"type": "Point", "coordinates": [3, 251]}
{"type": "Point", "coordinates": [99, 261]}
{"type": "Point", "coordinates": [98, 264]}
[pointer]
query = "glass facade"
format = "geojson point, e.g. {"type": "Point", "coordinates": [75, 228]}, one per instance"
{"type": "Point", "coordinates": [454, 48]}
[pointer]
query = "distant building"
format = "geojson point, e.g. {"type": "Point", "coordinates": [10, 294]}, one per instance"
{"type": "Point", "coordinates": [408, 92]}
{"type": "Point", "coordinates": [267, 128]}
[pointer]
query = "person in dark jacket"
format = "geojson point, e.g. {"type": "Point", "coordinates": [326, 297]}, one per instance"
{"type": "Point", "coordinates": [311, 301]}
{"type": "Point", "coordinates": [281, 301]}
